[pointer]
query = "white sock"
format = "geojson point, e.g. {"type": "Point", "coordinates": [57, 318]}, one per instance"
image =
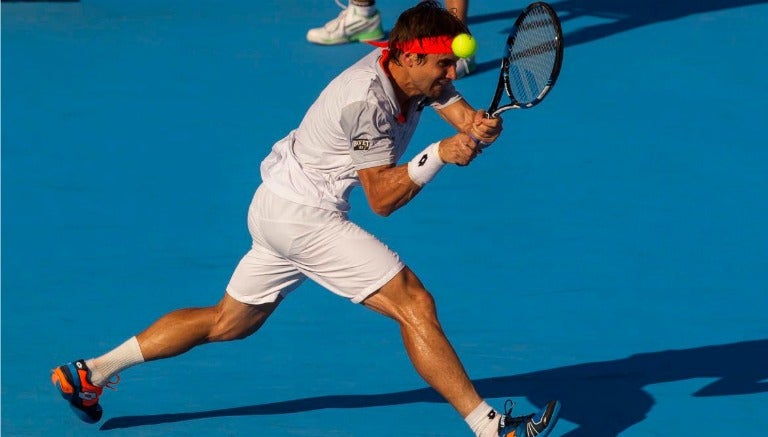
{"type": "Point", "coordinates": [108, 365]}
{"type": "Point", "coordinates": [363, 10]}
{"type": "Point", "coordinates": [483, 420]}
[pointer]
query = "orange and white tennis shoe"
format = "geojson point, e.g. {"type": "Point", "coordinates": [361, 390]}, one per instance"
{"type": "Point", "coordinates": [74, 383]}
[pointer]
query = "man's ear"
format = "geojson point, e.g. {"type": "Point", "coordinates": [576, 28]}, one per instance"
{"type": "Point", "coordinates": [407, 59]}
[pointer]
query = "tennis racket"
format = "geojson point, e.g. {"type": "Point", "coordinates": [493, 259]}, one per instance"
{"type": "Point", "coordinates": [531, 61]}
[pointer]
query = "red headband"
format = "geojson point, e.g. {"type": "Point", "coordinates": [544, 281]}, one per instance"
{"type": "Point", "coordinates": [431, 45]}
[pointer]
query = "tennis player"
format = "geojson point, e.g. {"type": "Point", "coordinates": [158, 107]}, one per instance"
{"type": "Point", "coordinates": [354, 134]}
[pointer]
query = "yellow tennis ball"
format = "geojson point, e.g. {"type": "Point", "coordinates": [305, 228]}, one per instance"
{"type": "Point", "coordinates": [464, 45]}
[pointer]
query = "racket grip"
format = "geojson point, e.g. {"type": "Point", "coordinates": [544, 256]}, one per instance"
{"type": "Point", "coordinates": [482, 144]}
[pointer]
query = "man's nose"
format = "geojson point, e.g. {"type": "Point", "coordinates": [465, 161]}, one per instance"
{"type": "Point", "coordinates": [451, 72]}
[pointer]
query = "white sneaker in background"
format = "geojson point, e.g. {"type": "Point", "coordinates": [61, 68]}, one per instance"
{"type": "Point", "coordinates": [464, 66]}
{"type": "Point", "coordinates": [349, 26]}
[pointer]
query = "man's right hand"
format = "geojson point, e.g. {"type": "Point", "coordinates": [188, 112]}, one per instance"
{"type": "Point", "coordinates": [459, 149]}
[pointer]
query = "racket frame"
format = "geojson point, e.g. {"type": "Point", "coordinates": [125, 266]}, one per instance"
{"type": "Point", "coordinates": [504, 86]}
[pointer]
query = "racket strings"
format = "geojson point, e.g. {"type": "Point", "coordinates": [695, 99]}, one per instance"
{"type": "Point", "coordinates": [533, 55]}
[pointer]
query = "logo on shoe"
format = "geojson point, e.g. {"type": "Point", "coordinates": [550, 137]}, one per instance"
{"type": "Point", "coordinates": [502, 421]}
{"type": "Point", "coordinates": [87, 395]}
{"type": "Point", "coordinates": [353, 28]}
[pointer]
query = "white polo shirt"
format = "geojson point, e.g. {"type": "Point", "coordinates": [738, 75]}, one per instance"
{"type": "Point", "coordinates": [355, 123]}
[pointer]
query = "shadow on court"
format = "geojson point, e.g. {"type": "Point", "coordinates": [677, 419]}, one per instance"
{"type": "Point", "coordinates": [612, 388]}
{"type": "Point", "coordinates": [621, 16]}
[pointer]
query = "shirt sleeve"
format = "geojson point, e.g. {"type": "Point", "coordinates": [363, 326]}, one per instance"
{"type": "Point", "coordinates": [368, 129]}
{"type": "Point", "coordinates": [447, 97]}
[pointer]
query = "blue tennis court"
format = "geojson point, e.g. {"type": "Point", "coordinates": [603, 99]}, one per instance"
{"type": "Point", "coordinates": [610, 250]}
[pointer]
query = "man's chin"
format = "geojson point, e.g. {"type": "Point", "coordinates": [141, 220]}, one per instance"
{"type": "Point", "coordinates": [436, 90]}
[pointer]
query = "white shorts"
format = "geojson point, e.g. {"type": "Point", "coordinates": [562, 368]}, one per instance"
{"type": "Point", "coordinates": [293, 242]}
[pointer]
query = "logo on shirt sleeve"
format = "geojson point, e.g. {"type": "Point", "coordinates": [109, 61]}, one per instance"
{"type": "Point", "coordinates": [361, 144]}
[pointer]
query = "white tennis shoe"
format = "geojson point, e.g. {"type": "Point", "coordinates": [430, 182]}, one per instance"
{"type": "Point", "coordinates": [464, 66]}
{"type": "Point", "coordinates": [348, 26]}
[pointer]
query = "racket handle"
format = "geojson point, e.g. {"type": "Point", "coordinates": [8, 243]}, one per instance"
{"type": "Point", "coordinates": [482, 144]}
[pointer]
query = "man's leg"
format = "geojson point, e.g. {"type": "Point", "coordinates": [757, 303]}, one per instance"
{"type": "Point", "coordinates": [458, 8]}
{"type": "Point", "coordinates": [405, 300]}
{"type": "Point", "coordinates": [81, 382]}
{"type": "Point", "coordinates": [181, 330]}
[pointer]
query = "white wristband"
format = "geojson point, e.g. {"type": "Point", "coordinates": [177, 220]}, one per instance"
{"type": "Point", "coordinates": [424, 166]}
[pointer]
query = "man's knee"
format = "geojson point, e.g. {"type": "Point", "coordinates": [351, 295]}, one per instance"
{"type": "Point", "coordinates": [420, 302]}
{"type": "Point", "coordinates": [404, 298]}
{"type": "Point", "coordinates": [226, 328]}
{"type": "Point", "coordinates": [236, 321]}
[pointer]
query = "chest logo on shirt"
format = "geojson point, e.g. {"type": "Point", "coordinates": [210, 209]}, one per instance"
{"type": "Point", "coordinates": [361, 144]}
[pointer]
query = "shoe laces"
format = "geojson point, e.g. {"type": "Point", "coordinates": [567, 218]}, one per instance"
{"type": "Point", "coordinates": [508, 419]}
{"type": "Point", "coordinates": [336, 22]}
{"type": "Point", "coordinates": [112, 383]}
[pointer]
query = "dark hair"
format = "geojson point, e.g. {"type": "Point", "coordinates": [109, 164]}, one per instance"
{"type": "Point", "coordinates": [426, 19]}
